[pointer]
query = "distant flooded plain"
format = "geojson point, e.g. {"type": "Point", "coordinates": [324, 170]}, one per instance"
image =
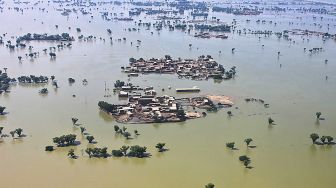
{"type": "Point", "coordinates": [294, 84]}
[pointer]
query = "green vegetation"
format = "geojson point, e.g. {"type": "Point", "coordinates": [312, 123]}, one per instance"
{"type": "Point", "coordinates": [119, 84]}
{"type": "Point", "coordinates": [248, 141]}
{"type": "Point", "coordinates": [243, 158]}
{"type": "Point", "coordinates": [246, 160]}
{"type": "Point", "coordinates": [12, 133]}
{"type": "Point", "coordinates": [318, 115]}
{"type": "Point", "coordinates": [65, 140]}
{"type": "Point", "coordinates": [71, 80]}
{"type": "Point", "coordinates": [314, 137]}
{"type": "Point", "coordinates": [49, 148]}
{"type": "Point", "coordinates": [97, 152]}
{"type": "Point", "coordinates": [83, 129]}
{"type": "Point", "coordinates": [210, 185]}
{"type": "Point", "coordinates": [90, 138]}
{"type": "Point", "coordinates": [329, 139]}
{"type": "Point", "coordinates": [33, 79]}
{"type": "Point", "coordinates": [109, 108]}
{"type": "Point", "coordinates": [19, 131]}
{"type": "Point", "coordinates": [2, 108]}
{"type": "Point", "coordinates": [71, 154]}
{"type": "Point", "coordinates": [270, 121]}
{"type": "Point", "coordinates": [117, 153]}
{"type": "Point", "coordinates": [74, 120]}
{"type": "Point", "coordinates": [43, 91]}
{"type": "Point", "coordinates": [126, 135]}
{"type": "Point", "coordinates": [133, 151]}
{"type": "Point", "coordinates": [137, 151]}
{"type": "Point", "coordinates": [246, 163]}
{"type": "Point", "coordinates": [230, 145]}
{"type": "Point", "coordinates": [124, 149]}
{"type": "Point", "coordinates": [323, 139]}
{"type": "Point", "coordinates": [116, 128]}
{"type": "Point", "coordinates": [160, 146]}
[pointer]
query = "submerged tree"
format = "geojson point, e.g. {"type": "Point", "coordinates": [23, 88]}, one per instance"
{"type": "Point", "coordinates": [127, 135]}
{"type": "Point", "coordinates": [124, 150]}
{"type": "Point", "coordinates": [318, 115]}
{"type": "Point", "coordinates": [2, 108]}
{"type": "Point", "coordinates": [12, 133]}
{"type": "Point", "coordinates": [74, 120]}
{"type": "Point", "coordinates": [71, 154]}
{"type": "Point", "coordinates": [230, 145]}
{"type": "Point", "coordinates": [243, 158]}
{"type": "Point", "coordinates": [117, 153]}
{"type": "Point", "coordinates": [270, 121]}
{"type": "Point", "coordinates": [137, 151]}
{"type": "Point", "coordinates": [160, 146]}
{"type": "Point", "coordinates": [323, 139]}
{"type": "Point", "coordinates": [65, 140]}
{"type": "Point", "coordinates": [210, 185]}
{"type": "Point", "coordinates": [116, 128]}
{"type": "Point", "coordinates": [1, 128]}
{"type": "Point", "coordinates": [248, 141]}
{"type": "Point", "coordinates": [314, 137]}
{"type": "Point", "coordinates": [83, 129]}
{"type": "Point", "coordinates": [246, 163]}
{"type": "Point", "coordinates": [19, 131]}
{"type": "Point", "coordinates": [329, 139]}
{"type": "Point", "coordinates": [49, 148]}
{"type": "Point", "coordinates": [90, 139]}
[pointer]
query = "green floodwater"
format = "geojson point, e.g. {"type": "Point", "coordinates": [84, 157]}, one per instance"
{"type": "Point", "coordinates": [284, 156]}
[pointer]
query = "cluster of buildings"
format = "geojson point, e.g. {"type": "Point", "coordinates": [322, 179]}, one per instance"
{"type": "Point", "coordinates": [198, 69]}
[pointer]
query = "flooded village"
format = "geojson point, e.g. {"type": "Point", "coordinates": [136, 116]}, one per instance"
{"type": "Point", "coordinates": [167, 93]}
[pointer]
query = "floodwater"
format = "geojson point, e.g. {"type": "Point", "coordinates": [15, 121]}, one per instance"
{"type": "Point", "coordinates": [284, 156]}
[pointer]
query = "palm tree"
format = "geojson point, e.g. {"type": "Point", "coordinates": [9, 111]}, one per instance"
{"type": "Point", "coordinates": [318, 115]}
{"type": "Point", "coordinates": [210, 185]}
{"type": "Point", "coordinates": [314, 137]}
{"type": "Point", "coordinates": [248, 141]}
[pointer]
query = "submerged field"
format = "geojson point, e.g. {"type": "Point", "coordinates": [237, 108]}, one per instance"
{"type": "Point", "coordinates": [284, 156]}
